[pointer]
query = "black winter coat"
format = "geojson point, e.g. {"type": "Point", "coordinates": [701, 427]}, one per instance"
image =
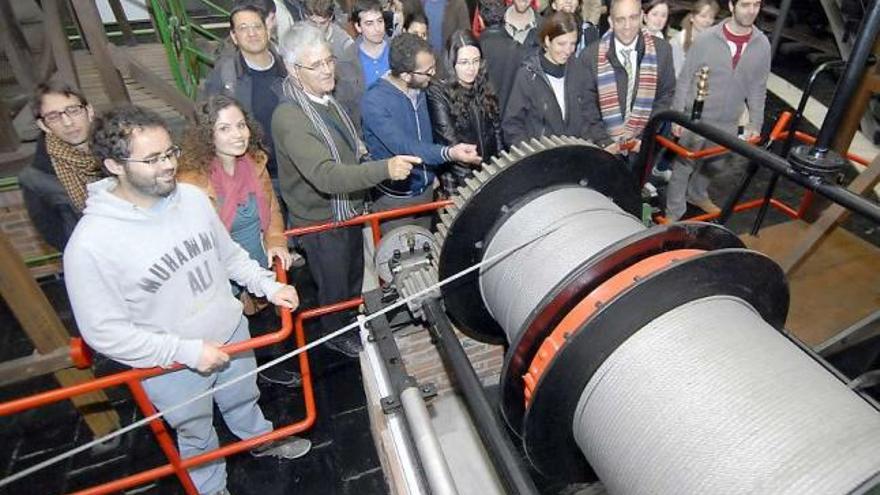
{"type": "Point", "coordinates": [479, 127]}
{"type": "Point", "coordinates": [503, 58]}
{"type": "Point", "coordinates": [532, 110]}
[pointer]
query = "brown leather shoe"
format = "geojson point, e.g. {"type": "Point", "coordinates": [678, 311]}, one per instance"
{"type": "Point", "coordinates": [706, 205]}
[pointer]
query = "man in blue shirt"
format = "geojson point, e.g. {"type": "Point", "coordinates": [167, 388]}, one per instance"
{"type": "Point", "coordinates": [396, 122]}
{"type": "Point", "coordinates": [372, 47]}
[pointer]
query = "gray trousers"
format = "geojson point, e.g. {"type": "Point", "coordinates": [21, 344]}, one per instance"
{"type": "Point", "coordinates": [194, 423]}
{"type": "Point", "coordinates": [690, 178]}
{"type": "Point", "coordinates": [383, 203]}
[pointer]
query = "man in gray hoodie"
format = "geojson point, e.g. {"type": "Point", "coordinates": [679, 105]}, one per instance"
{"type": "Point", "coordinates": [147, 272]}
{"type": "Point", "coordinates": [738, 57]}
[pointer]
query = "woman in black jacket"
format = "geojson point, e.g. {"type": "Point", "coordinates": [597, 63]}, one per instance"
{"type": "Point", "coordinates": [548, 92]}
{"type": "Point", "coordinates": [464, 107]}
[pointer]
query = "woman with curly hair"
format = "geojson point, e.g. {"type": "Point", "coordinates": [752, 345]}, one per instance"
{"type": "Point", "coordinates": [464, 108]}
{"type": "Point", "coordinates": [222, 155]}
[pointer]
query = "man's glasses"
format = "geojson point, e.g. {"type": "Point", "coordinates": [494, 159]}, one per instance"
{"type": "Point", "coordinates": [71, 112]}
{"type": "Point", "coordinates": [172, 153]}
{"type": "Point", "coordinates": [326, 64]}
{"type": "Point", "coordinates": [430, 72]}
{"type": "Point", "coordinates": [244, 28]}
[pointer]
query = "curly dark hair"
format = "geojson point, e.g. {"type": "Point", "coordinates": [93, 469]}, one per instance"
{"type": "Point", "coordinates": [198, 140]}
{"type": "Point", "coordinates": [112, 130]}
{"type": "Point", "coordinates": [480, 91]}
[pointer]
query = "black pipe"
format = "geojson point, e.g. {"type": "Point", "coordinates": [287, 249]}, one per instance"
{"type": "Point", "coordinates": [849, 83]}
{"type": "Point", "coordinates": [762, 157]}
{"type": "Point", "coordinates": [503, 454]}
{"type": "Point", "coordinates": [789, 140]}
{"type": "Point", "coordinates": [776, 38]}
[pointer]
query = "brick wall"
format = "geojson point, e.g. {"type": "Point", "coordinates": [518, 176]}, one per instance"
{"type": "Point", "coordinates": [423, 361]}
{"type": "Point", "coordinates": [16, 226]}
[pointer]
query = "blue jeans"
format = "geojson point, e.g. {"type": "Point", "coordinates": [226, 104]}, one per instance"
{"type": "Point", "coordinates": [194, 423]}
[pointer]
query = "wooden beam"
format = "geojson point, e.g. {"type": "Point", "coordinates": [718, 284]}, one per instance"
{"type": "Point", "coordinates": [93, 31]}
{"type": "Point", "coordinates": [855, 114]}
{"type": "Point", "coordinates": [16, 48]}
{"type": "Point", "coordinates": [829, 220]}
{"type": "Point", "coordinates": [42, 325]}
{"type": "Point", "coordinates": [155, 84]}
{"type": "Point", "coordinates": [9, 140]}
{"type": "Point", "coordinates": [36, 364]}
{"type": "Point", "coordinates": [122, 20]}
{"type": "Point", "coordinates": [58, 40]}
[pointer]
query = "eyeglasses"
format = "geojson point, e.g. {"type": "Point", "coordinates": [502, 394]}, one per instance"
{"type": "Point", "coordinates": [326, 64]}
{"type": "Point", "coordinates": [244, 28]}
{"type": "Point", "coordinates": [71, 112]}
{"type": "Point", "coordinates": [172, 153]}
{"type": "Point", "coordinates": [476, 62]}
{"type": "Point", "coordinates": [432, 70]}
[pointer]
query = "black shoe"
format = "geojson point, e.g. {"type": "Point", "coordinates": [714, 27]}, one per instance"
{"type": "Point", "coordinates": [277, 376]}
{"type": "Point", "coordinates": [350, 346]}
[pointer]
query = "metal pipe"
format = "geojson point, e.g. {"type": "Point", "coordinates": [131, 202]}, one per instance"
{"type": "Point", "coordinates": [764, 158]}
{"type": "Point", "coordinates": [396, 426]}
{"type": "Point", "coordinates": [776, 38]}
{"type": "Point", "coordinates": [852, 78]}
{"type": "Point", "coordinates": [423, 435]}
{"type": "Point", "coordinates": [789, 140]}
{"type": "Point", "coordinates": [504, 456]}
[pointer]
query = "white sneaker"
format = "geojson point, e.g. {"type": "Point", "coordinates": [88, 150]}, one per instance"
{"type": "Point", "coordinates": [664, 175]}
{"type": "Point", "coordinates": [286, 448]}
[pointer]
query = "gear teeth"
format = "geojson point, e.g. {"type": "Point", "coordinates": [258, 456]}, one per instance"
{"type": "Point", "coordinates": [475, 181]}
{"type": "Point", "coordinates": [517, 151]}
{"type": "Point", "coordinates": [466, 192]}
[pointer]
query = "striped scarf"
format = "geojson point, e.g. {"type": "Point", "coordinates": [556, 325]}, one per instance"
{"type": "Point", "coordinates": [340, 202]}
{"type": "Point", "coordinates": [609, 101]}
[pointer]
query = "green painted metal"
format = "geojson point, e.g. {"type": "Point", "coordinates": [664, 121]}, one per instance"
{"type": "Point", "coordinates": [179, 34]}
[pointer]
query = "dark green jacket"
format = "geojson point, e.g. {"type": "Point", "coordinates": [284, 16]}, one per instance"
{"type": "Point", "coordinates": [307, 172]}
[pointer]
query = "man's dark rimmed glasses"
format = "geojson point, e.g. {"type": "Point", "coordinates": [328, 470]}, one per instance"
{"type": "Point", "coordinates": [172, 153]}
{"type": "Point", "coordinates": [71, 112]}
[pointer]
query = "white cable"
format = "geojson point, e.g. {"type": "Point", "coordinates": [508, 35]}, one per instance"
{"type": "Point", "coordinates": [70, 453]}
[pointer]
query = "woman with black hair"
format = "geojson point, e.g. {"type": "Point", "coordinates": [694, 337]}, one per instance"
{"type": "Point", "coordinates": [464, 107]}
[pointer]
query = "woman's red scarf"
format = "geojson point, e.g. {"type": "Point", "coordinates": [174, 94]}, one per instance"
{"type": "Point", "coordinates": [234, 190]}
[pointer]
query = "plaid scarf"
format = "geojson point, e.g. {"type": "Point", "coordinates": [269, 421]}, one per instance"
{"type": "Point", "coordinates": [75, 169]}
{"type": "Point", "coordinates": [609, 101]}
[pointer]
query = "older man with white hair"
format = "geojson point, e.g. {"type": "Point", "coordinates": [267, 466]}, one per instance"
{"type": "Point", "coordinates": [322, 175]}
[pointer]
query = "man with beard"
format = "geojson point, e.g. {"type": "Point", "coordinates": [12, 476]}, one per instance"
{"type": "Point", "coordinates": [396, 122]}
{"type": "Point", "coordinates": [738, 57]}
{"type": "Point", "coordinates": [54, 185]}
{"type": "Point", "coordinates": [147, 272]}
